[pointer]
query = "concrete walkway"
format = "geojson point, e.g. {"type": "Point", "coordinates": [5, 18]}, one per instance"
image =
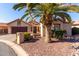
{"type": "Point", "coordinates": [10, 37]}
{"type": "Point", "coordinates": [5, 50]}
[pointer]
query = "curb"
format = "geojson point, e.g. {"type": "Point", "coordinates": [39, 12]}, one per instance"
{"type": "Point", "coordinates": [18, 49]}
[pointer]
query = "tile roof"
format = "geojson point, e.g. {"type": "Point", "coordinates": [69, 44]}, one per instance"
{"type": "Point", "coordinates": [3, 24]}
{"type": "Point", "coordinates": [16, 20]}
{"type": "Point", "coordinates": [75, 23]}
{"type": "Point", "coordinates": [33, 22]}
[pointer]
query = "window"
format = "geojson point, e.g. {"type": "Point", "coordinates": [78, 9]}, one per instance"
{"type": "Point", "coordinates": [56, 26]}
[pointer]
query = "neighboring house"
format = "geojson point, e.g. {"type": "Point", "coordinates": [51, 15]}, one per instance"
{"type": "Point", "coordinates": [17, 26]}
{"type": "Point", "coordinates": [33, 27]}
{"type": "Point", "coordinates": [3, 28]}
{"type": "Point", "coordinates": [20, 26]}
{"type": "Point", "coordinates": [75, 24]}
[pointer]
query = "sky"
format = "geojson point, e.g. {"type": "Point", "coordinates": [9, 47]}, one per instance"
{"type": "Point", "coordinates": [7, 14]}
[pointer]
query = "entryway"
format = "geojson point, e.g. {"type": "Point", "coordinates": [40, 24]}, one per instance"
{"type": "Point", "coordinates": [34, 29]}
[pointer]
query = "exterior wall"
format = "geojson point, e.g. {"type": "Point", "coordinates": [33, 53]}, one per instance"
{"type": "Point", "coordinates": [14, 24]}
{"type": "Point", "coordinates": [63, 26]}
{"type": "Point", "coordinates": [68, 28]}
{"type": "Point", "coordinates": [23, 24]}
{"type": "Point", "coordinates": [3, 29]}
{"type": "Point", "coordinates": [9, 30]}
{"type": "Point", "coordinates": [76, 26]}
{"type": "Point", "coordinates": [29, 29]}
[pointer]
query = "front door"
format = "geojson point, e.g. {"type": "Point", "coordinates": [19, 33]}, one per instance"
{"type": "Point", "coordinates": [34, 30]}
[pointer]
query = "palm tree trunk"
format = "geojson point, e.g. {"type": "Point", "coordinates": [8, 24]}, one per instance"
{"type": "Point", "coordinates": [47, 34]}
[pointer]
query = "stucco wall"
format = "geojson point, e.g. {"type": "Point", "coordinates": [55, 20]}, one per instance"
{"type": "Point", "coordinates": [14, 24]}
{"type": "Point", "coordinates": [63, 26]}
{"type": "Point", "coordinates": [9, 30]}
{"type": "Point", "coordinates": [76, 26]}
{"type": "Point", "coordinates": [68, 28]}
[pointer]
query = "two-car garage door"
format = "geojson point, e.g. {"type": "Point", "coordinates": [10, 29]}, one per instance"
{"type": "Point", "coordinates": [18, 29]}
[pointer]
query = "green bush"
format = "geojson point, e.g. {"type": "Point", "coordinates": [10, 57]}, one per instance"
{"type": "Point", "coordinates": [58, 33]}
{"type": "Point", "coordinates": [26, 36]}
{"type": "Point", "coordinates": [75, 31]}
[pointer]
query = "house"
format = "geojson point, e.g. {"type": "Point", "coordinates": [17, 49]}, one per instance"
{"type": "Point", "coordinates": [3, 28]}
{"type": "Point", "coordinates": [19, 25]}
{"type": "Point", "coordinates": [58, 25]}
{"type": "Point", "coordinates": [75, 24]}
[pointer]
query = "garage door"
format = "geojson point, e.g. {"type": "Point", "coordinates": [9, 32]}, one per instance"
{"type": "Point", "coordinates": [19, 29]}
{"type": "Point", "coordinates": [3, 31]}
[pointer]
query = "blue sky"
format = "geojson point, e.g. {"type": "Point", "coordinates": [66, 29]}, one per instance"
{"type": "Point", "coordinates": [7, 14]}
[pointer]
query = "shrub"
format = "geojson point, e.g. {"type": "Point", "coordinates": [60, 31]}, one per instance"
{"type": "Point", "coordinates": [26, 36]}
{"type": "Point", "coordinates": [75, 31]}
{"type": "Point", "coordinates": [58, 33]}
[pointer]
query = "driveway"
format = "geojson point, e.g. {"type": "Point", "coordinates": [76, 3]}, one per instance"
{"type": "Point", "coordinates": [5, 50]}
{"type": "Point", "coordinates": [10, 37]}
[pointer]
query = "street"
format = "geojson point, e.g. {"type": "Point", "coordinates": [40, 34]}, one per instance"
{"type": "Point", "coordinates": [5, 50]}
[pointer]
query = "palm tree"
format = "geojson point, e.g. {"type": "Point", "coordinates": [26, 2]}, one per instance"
{"type": "Point", "coordinates": [48, 12]}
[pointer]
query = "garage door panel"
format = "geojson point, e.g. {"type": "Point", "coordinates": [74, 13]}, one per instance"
{"type": "Point", "coordinates": [19, 29]}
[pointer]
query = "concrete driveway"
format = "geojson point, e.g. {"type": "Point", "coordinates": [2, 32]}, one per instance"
{"type": "Point", "coordinates": [10, 37]}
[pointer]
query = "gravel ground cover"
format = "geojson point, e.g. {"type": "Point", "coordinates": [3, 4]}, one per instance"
{"type": "Point", "coordinates": [39, 48]}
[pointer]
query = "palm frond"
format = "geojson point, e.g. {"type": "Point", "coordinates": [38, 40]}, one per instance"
{"type": "Point", "coordinates": [64, 15]}
{"type": "Point", "coordinates": [39, 9]}
{"type": "Point", "coordinates": [19, 6]}
{"type": "Point", "coordinates": [26, 14]}
{"type": "Point", "coordinates": [73, 8]}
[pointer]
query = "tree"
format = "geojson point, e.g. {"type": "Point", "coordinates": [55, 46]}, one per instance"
{"type": "Point", "coordinates": [48, 12]}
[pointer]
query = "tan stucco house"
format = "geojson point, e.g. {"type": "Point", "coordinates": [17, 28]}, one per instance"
{"type": "Point", "coordinates": [17, 26]}
{"type": "Point", "coordinates": [32, 27]}
{"type": "Point", "coordinates": [57, 25]}
{"type": "Point", "coordinates": [3, 28]}
{"type": "Point", "coordinates": [75, 24]}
